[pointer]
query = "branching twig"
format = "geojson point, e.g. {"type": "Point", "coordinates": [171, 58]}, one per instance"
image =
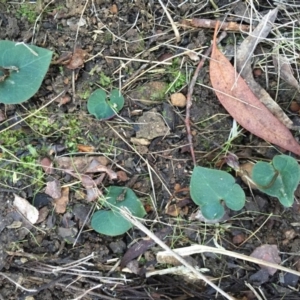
{"type": "Point", "coordinates": [189, 97]}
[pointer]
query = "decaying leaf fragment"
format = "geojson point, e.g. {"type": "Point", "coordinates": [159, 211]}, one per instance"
{"type": "Point", "coordinates": [26, 209]}
{"type": "Point", "coordinates": [237, 98]}
{"type": "Point", "coordinates": [243, 65]}
{"type": "Point", "coordinates": [284, 70]}
{"type": "Point", "coordinates": [268, 253]}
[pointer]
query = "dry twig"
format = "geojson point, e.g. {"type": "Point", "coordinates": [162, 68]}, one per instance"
{"type": "Point", "coordinates": [127, 215]}
{"type": "Point", "coordinates": [207, 23]}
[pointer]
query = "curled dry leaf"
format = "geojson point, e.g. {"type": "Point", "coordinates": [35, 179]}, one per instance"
{"type": "Point", "coordinates": [284, 70]}
{"type": "Point", "coordinates": [142, 246]}
{"type": "Point", "coordinates": [77, 59]}
{"type": "Point", "coordinates": [62, 202]}
{"type": "Point", "coordinates": [96, 167]}
{"type": "Point", "coordinates": [26, 209]}
{"type": "Point", "coordinates": [85, 148]}
{"type": "Point", "coordinates": [79, 164]}
{"type": "Point", "coordinates": [43, 214]}
{"type": "Point", "coordinates": [268, 253]}
{"type": "Point", "coordinates": [245, 172]}
{"type": "Point", "coordinates": [122, 176]}
{"type": "Point", "coordinates": [238, 99]}
{"type": "Point", "coordinates": [243, 65]}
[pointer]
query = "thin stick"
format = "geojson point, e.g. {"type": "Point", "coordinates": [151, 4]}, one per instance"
{"type": "Point", "coordinates": [189, 97]}
{"type": "Point", "coordinates": [74, 49]}
{"type": "Point", "coordinates": [207, 23]}
{"type": "Point", "coordinates": [174, 27]}
{"type": "Point", "coordinates": [196, 249]}
{"type": "Point", "coordinates": [127, 215]}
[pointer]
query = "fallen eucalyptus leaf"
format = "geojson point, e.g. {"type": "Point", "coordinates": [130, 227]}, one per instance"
{"type": "Point", "coordinates": [243, 65]}
{"type": "Point", "coordinates": [241, 103]}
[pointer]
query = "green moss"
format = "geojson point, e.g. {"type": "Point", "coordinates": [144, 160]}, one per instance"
{"type": "Point", "coordinates": [28, 11]}
{"type": "Point", "coordinates": [104, 80]}
{"type": "Point", "coordinates": [22, 148]}
{"type": "Point", "coordinates": [107, 38]}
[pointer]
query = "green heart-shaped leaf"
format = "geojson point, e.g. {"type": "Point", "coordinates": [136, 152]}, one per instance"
{"type": "Point", "coordinates": [210, 187]}
{"type": "Point", "coordinates": [111, 222]}
{"type": "Point", "coordinates": [23, 68]}
{"type": "Point", "coordinates": [103, 108]}
{"type": "Point", "coordinates": [279, 179]}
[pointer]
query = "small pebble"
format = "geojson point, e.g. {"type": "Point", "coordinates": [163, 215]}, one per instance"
{"type": "Point", "coordinates": [178, 99]}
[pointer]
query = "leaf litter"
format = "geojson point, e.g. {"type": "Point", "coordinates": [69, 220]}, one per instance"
{"type": "Point", "coordinates": [87, 239]}
{"type": "Point", "coordinates": [242, 104]}
{"type": "Point", "coordinates": [243, 66]}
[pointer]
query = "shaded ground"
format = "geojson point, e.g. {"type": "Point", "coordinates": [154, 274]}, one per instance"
{"type": "Point", "coordinates": [125, 47]}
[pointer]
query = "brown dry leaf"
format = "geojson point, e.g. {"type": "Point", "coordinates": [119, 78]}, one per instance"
{"type": "Point", "coordinates": [237, 98]}
{"type": "Point", "coordinates": [284, 70]}
{"type": "Point", "coordinates": [142, 246]}
{"type": "Point", "coordinates": [114, 9]}
{"type": "Point", "coordinates": [47, 165]}
{"type": "Point", "coordinates": [268, 253]}
{"type": "Point", "coordinates": [53, 189]}
{"type": "Point", "coordinates": [141, 141]}
{"type": "Point", "coordinates": [243, 65]}
{"type": "Point", "coordinates": [96, 167]}
{"type": "Point", "coordinates": [178, 208]}
{"type": "Point", "coordinates": [245, 172]}
{"type": "Point", "coordinates": [77, 59]}
{"type": "Point", "coordinates": [122, 176]}
{"type": "Point", "coordinates": [26, 209]}
{"type": "Point", "coordinates": [64, 58]}
{"type": "Point", "coordinates": [43, 214]}
{"type": "Point", "coordinates": [62, 202]}
{"type": "Point", "coordinates": [63, 100]}
{"type": "Point", "coordinates": [79, 163]}
{"type": "Point", "coordinates": [85, 148]}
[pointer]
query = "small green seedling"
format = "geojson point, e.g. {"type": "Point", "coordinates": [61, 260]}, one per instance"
{"type": "Point", "coordinates": [22, 70]}
{"type": "Point", "coordinates": [102, 108]}
{"type": "Point", "coordinates": [210, 187]}
{"type": "Point", "coordinates": [111, 222]}
{"type": "Point", "coordinates": [278, 179]}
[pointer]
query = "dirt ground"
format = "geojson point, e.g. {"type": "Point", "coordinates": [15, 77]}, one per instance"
{"type": "Point", "coordinates": [131, 46]}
